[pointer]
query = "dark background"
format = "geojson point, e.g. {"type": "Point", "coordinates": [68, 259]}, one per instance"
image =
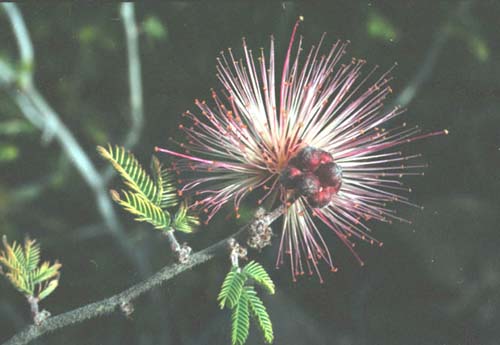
{"type": "Point", "coordinates": [433, 282]}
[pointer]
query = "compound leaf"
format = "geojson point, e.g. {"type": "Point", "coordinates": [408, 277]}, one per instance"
{"type": "Point", "coordinates": [231, 288]}
{"type": "Point", "coordinates": [23, 269]}
{"type": "Point", "coordinates": [240, 321]}
{"type": "Point", "coordinates": [134, 176]}
{"type": "Point", "coordinates": [165, 183]}
{"type": "Point", "coordinates": [142, 208]}
{"type": "Point", "coordinates": [183, 221]}
{"type": "Point", "coordinates": [259, 312]}
{"type": "Point", "coordinates": [255, 271]}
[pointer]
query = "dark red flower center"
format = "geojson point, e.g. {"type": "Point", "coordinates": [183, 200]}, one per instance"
{"type": "Point", "coordinates": [313, 174]}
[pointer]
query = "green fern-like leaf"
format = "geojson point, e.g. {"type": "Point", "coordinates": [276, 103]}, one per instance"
{"type": "Point", "coordinates": [44, 272]}
{"type": "Point", "coordinates": [259, 312]}
{"type": "Point", "coordinates": [48, 289]}
{"type": "Point", "coordinates": [231, 288]}
{"type": "Point", "coordinates": [32, 251]}
{"type": "Point", "coordinates": [25, 273]}
{"type": "Point", "coordinates": [165, 183]}
{"type": "Point", "coordinates": [255, 271]}
{"type": "Point", "coordinates": [134, 176]}
{"type": "Point", "coordinates": [14, 260]}
{"type": "Point", "coordinates": [240, 320]}
{"type": "Point", "coordinates": [143, 209]}
{"type": "Point", "coordinates": [243, 300]}
{"type": "Point", "coordinates": [12, 256]}
{"type": "Point", "coordinates": [20, 283]}
{"type": "Point", "coordinates": [183, 221]}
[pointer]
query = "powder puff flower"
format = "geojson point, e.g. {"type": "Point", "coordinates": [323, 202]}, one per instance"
{"type": "Point", "coordinates": [319, 142]}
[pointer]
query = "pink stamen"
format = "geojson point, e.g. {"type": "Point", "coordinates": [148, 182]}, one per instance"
{"type": "Point", "coordinates": [324, 103]}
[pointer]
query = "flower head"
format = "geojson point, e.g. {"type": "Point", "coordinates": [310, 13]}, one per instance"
{"type": "Point", "coordinates": [316, 140]}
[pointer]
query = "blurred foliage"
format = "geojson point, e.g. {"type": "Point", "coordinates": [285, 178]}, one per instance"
{"type": "Point", "coordinates": [479, 48]}
{"type": "Point", "coordinates": [93, 36]}
{"type": "Point", "coordinates": [473, 39]}
{"type": "Point", "coordinates": [94, 131]}
{"type": "Point", "coordinates": [8, 152]}
{"type": "Point", "coordinates": [380, 27]}
{"type": "Point", "coordinates": [153, 28]}
{"type": "Point", "coordinates": [14, 127]}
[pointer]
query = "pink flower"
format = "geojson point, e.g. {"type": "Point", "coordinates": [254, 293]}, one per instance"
{"type": "Point", "coordinates": [322, 150]}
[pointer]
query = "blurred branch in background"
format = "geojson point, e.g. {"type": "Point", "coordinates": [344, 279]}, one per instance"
{"type": "Point", "coordinates": [125, 298]}
{"type": "Point", "coordinates": [127, 13]}
{"type": "Point", "coordinates": [19, 84]}
{"type": "Point", "coordinates": [432, 56]}
{"type": "Point", "coordinates": [134, 74]}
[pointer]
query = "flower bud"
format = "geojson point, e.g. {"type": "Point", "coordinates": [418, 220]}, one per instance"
{"type": "Point", "coordinates": [308, 184]}
{"type": "Point", "coordinates": [330, 175]}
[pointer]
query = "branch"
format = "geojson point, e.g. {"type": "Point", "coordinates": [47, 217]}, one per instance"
{"type": "Point", "coordinates": [425, 71]}
{"type": "Point", "coordinates": [127, 13]}
{"type": "Point", "coordinates": [134, 73]}
{"type": "Point", "coordinates": [36, 109]}
{"type": "Point", "coordinates": [23, 41]}
{"type": "Point", "coordinates": [108, 305]}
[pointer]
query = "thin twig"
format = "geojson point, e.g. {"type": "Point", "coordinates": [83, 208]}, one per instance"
{"type": "Point", "coordinates": [425, 70]}
{"type": "Point", "coordinates": [23, 41]}
{"type": "Point", "coordinates": [134, 73]}
{"type": "Point", "coordinates": [432, 56]}
{"type": "Point", "coordinates": [108, 305]}
{"type": "Point", "coordinates": [38, 111]}
{"type": "Point", "coordinates": [181, 251]}
{"type": "Point", "coordinates": [127, 13]}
